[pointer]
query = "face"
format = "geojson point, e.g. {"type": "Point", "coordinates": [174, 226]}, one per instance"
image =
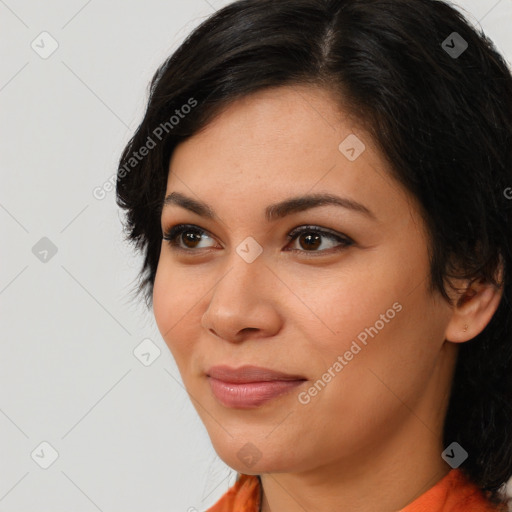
{"type": "Point", "coordinates": [333, 295]}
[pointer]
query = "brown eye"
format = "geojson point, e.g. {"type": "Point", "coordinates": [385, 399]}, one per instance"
{"type": "Point", "coordinates": [185, 237]}
{"type": "Point", "coordinates": [310, 238]}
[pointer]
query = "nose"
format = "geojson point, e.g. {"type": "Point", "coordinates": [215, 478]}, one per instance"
{"type": "Point", "coordinates": [244, 302]}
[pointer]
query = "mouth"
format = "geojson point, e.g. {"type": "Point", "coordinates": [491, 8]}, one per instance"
{"type": "Point", "coordinates": [249, 386]}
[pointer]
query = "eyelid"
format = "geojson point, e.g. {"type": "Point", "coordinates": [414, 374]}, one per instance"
{"type": "Point", "coordinates": [316, 229]}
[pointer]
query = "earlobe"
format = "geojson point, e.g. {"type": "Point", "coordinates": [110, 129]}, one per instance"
{"type": "Point", "coordinates": [473, 311]}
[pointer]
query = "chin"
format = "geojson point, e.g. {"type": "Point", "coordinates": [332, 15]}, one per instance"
{"type": "Point", "coordinates": [253, 458]}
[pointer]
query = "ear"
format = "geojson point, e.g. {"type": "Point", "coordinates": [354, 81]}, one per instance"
{"type": "Point", "coordinates": [474, 308]}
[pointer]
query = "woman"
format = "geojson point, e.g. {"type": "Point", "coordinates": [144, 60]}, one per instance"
{"type": "Point", "coordinates": [322, 193]}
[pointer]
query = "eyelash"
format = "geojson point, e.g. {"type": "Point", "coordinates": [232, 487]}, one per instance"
{"type": "Point", "coordinates": [175, 231]}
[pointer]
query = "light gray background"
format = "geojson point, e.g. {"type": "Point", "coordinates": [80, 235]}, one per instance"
{"type": "Point", "coordinates": [126, 434]}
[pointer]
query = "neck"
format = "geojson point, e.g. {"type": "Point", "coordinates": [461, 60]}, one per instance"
{"type": "Point", "coordinates": [384, 482]}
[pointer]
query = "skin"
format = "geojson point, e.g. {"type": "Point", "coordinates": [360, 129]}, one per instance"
{"type": "Point", "coordinates": [372, 437]}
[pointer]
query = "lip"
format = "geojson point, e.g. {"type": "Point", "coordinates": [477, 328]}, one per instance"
{"type": "Point", "coordinates": [249, 373]}
{"type": "Point", "coordinates": [249, 386]}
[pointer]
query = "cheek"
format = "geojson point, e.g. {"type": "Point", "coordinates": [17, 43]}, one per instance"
{"type": "Point", "coordinates": [172, 306]}
{"type": "Point", "coordinates": [343, 308]}
{"type": "Point", "coordinates": [387, 322]}
{"type": "Point", "coordinates": [162, 301]}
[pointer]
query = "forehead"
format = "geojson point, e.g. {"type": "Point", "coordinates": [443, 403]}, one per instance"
{"type": "Point", "coordinates": [283, 142]}
{"type": "Point", "coordinates": [277, 118]}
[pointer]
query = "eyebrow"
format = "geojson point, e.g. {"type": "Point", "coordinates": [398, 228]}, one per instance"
{"type": "Point", "coordinates": [273, 211]}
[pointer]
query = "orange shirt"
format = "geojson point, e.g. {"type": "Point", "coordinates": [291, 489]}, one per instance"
{"type": "Point", "coordinates": [453, 493]}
